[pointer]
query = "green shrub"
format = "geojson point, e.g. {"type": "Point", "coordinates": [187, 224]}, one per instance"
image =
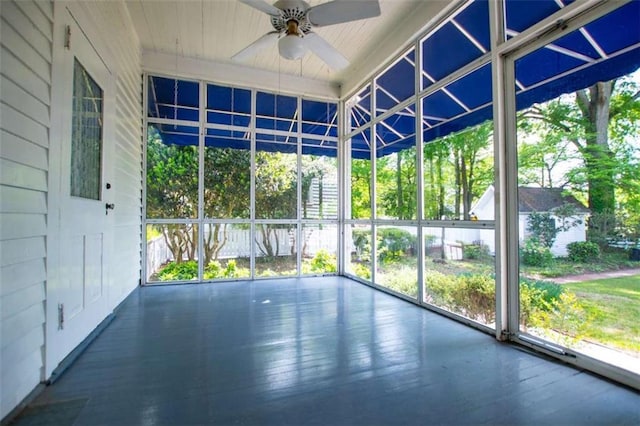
{"type": "Point", "coordinates": [470, 295]}
{"type": "Point", "coordinates": [583, 251]}
{"type": "Point", "coordinates": [362, 243]}
{"type": "Point", "coordinates": [179, 271]}
{"type": "Point", "coordinates": [322, 262]}
{"type": "Point", "coordinates": [215, 270]}
{"type": "Point", "coordinates": [395, 240]}
{"type": "Point", "coordinates": [536, 299]}
{"type": "Point", "coordinates": [534, 254]}
{"type": "Point", "coordinates": [232, 270]}
{"type": "Point", "coordinates": [361, 270]}
{"type": "Point", "coordinates": [403, 280]}
{"type": "Point", "coordinates": [548, 291]}
{"type": "Point", "coordinates": [567, 319]}
{"type": "Point", "coordinates": [475, 251]}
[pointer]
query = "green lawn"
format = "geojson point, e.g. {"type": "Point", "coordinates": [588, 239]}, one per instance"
{"type": "Point", "coordinates": [614, 305]}
{"type": "Point", "coordinates": [560, 267]}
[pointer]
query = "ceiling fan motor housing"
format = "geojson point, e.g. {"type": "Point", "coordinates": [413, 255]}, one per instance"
{"type": "Point", "coordinates": [292, 10]}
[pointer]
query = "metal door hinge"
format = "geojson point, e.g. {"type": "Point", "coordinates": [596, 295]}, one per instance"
{"type": "Point", "coordinates": [60, 316]}
{"type": "Point", "coordinates": [67, 37]}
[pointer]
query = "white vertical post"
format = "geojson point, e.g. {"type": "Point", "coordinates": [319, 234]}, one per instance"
{"type": "Point", "coordinates": [201, 148]}
{"type": "Point", "coordinates": [344, 191]}
{"type": "Point", "coordinates": [372, 156]}
{"type": "Point", "coordinates": [299, 233]}
{"type": "Point", "coordinates": [145, 133]}
{"type": "Point", "coordinates": [505, 162]}
{"type": "Point", "coordinates": [419, 168]}
{"type": "Point", "coordinates": [252, 213]}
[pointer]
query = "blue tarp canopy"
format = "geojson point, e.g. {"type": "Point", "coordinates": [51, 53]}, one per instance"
{"type": "Point", "coordinates": [602, 50]}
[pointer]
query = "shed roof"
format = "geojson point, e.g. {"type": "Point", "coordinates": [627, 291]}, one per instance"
{"type": "Point", "coordinates": [546, 199]}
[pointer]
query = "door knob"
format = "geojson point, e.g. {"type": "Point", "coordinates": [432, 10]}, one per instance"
{"type": "Point", "coordinates": [109, 206]}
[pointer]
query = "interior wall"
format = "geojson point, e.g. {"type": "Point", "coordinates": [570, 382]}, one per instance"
{"type": "Point", "coordinates": [25, 69]}
{"type": "Point", "coordinates": [25, 111]}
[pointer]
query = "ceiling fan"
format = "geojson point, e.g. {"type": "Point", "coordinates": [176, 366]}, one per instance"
{"type": "Point", "coordinates": [293, 21]}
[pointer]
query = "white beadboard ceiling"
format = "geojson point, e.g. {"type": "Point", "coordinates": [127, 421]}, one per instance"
{"type": "Point", "coordinates": [214, 30]}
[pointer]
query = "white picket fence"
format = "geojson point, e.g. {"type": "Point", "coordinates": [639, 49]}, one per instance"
{"type": "Point", "coordinates": [239, 244]}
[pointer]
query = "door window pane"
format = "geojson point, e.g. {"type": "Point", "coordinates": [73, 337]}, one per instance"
{"type": "Point", "coordinates": [86, 135]}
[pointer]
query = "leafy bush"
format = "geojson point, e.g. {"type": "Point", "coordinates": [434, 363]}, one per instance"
{"type": "Point", "coordinates": [362, 243]}
{"type": "Point", "coordinates": [403, 280]}
{"type": "Point", "coordinates": [567, 317]}
{"type": "Point", "coordinates": [322, 262]}
{"type": "Point", "coordinates": [475, 251]}
{"type": "Point", "coordinates": [548, 291]}
{"type": "Point", "coordinates": [231, 270]}
{"type": "Point", "coordinates": [583, 251]}
{"type": "Point", "coordinates": [429, 240]}
{"type": "Point", "coordinates": [394, 243]}
{"type": "Point", "coordinates": [542, 228]}
{"type": "Point", "coordinates": [475, 296]}
{"type": "Point", "coordinates": [179, 271]}
{"type": "Point", "coordinates": [533, 253]}
{"type": "Point", "coordinates": [536, 298]}
{"type": "Point", "coordinates": [361, 270]}
{"type": "Point", "coordinates": [470, 295]}
{"type": "Point", "coordinates": [396, 240]}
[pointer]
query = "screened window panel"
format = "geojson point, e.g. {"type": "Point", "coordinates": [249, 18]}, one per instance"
{"type": "Point", "coordinates": [86, 135]}
{"type": "Point", "coordinates": [173, 99]}
{"type": "Point", "coordinates": [396, 84]}
{"type": "Point", "coordinates": [359, 108]}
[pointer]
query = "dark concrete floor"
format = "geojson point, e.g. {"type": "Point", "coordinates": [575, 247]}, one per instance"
{"type": "Point", "coordinates": [325, 351]}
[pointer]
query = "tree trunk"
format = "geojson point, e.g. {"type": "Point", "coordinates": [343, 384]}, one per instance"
{"type": "Point", "coordinates": [598, 158]}
{"type": "Point", "coordinates": [440, 188]}
{"type": "Point", "coordinates": [399, 186]}
{"type": "Point", "coordinates": [466, 192]}
{"type": "Point", "coordinates": [458, 172]}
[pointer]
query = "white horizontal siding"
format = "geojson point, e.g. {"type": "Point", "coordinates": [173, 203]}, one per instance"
{"type": "Point", "coordinates": [16, 251]}
{"type": "Point", "coordinates": [23, 152]}
{"type": "Point", "coordinates": [22, 176]}
{"type": "Point", "coordinates": [25, 79]}
{"type": "Point", "coordinates": [26, 36]}
{"type": "Point", "coordinates": [20, 275]}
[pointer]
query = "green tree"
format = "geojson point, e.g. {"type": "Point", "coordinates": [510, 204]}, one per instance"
{"type": "Point", "coordinates": [436, 154]}
{"type": "Point", "coordinates": [473, 166]}
{"type": "Point", "coordinates": [227, 186]}
{"type": "Point", "coordinates": [399, 187]}
{"type": "Point", "coordinates": [172, 192]}
{"type": "Point", "coordinates": [276, 196]}
{"type": "Point", "coordinates": [361, 188]}
{"type": "Point", "coordinates": [597, 121]}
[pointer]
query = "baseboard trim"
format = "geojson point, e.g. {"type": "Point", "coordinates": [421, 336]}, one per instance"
{"type": "Point", "coordinates": [75, 353]}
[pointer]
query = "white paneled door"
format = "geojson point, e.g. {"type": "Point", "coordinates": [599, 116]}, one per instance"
{"type": "Point", "coordinates": [84, 102]}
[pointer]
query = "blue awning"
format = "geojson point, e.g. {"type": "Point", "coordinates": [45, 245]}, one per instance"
{"type": "Point", "coordinates": [602, 50]}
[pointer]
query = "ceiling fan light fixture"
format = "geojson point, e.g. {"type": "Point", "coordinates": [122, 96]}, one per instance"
{"type": "Point", "coordinates": [291, 47]}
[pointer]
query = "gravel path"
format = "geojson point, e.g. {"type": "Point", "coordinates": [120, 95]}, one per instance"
{"type": "Point", "coordinates": [595, 276]}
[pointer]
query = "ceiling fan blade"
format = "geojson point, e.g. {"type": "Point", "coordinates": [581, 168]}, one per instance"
{"type": "Point", "coordinates": [325, 51]}
{"type": "Point", "coordinates": [262, 6]}
{"type": "Point", "coordinates": [256, 46]}
{"type": "Point", "coordinates": [340, 11]}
